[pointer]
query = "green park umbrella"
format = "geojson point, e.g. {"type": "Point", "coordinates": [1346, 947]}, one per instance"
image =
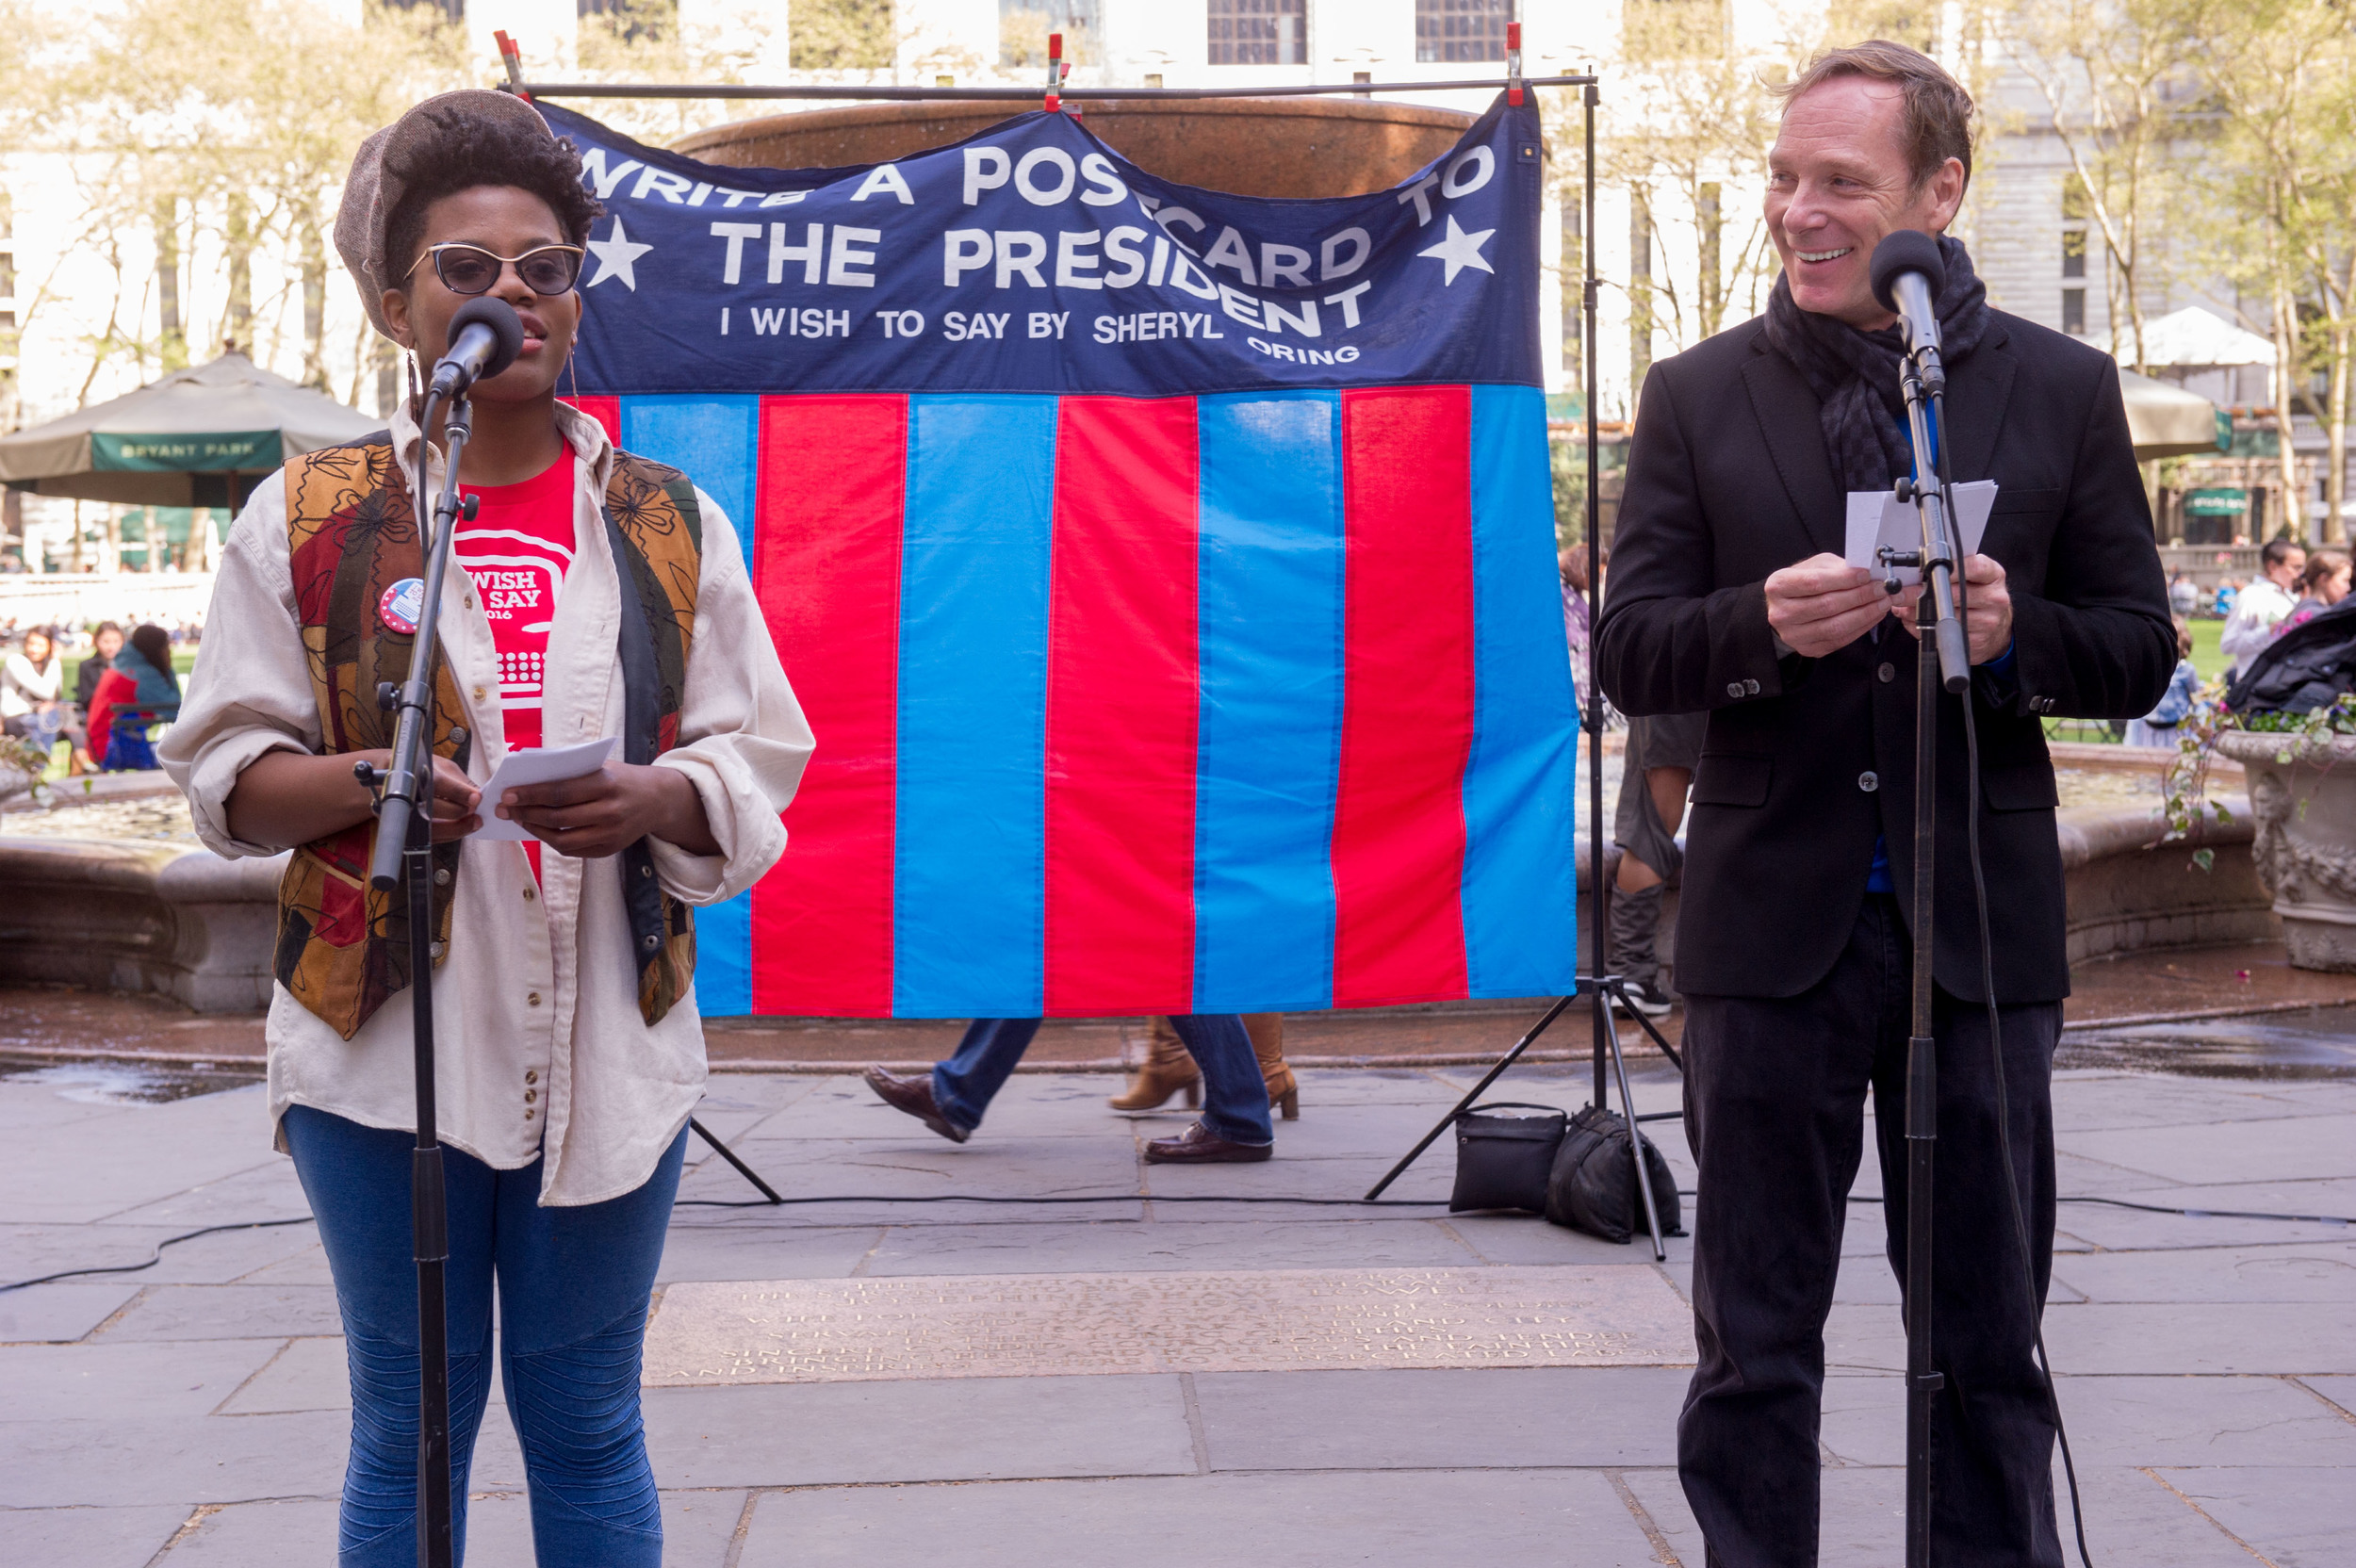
{"type": "Point", "coordinates": [199, 438]}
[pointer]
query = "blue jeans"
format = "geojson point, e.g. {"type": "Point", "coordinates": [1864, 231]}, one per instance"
{"type": "Point", "coordinates": [1234, 1096]}
{"type": "Point", "coordinates": [574, 1284]}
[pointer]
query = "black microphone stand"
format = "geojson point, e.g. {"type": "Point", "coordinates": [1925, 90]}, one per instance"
{"type": "Point", "coordinates": [403, 857]}
{"type": "Point", "coordinates": [1943, 662]}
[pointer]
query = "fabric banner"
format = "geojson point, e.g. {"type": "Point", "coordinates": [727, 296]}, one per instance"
{"type": "Point", "coordinates": [1168, 574]}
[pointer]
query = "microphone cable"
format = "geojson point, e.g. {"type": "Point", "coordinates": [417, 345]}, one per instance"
{"type": "Point", "coordinates": [1988, 977]}
{"type": "Point", "coordinates": [156, 1254]}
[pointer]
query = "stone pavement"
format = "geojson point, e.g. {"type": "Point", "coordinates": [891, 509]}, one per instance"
{"type": "Point", "coordinates": [195, 1413]}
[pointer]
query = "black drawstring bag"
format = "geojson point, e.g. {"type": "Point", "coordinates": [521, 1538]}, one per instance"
{"type": "Point", "coordinates": [1503, 1161]}
{"type": "Point", "coordinates": [1592, 1186]}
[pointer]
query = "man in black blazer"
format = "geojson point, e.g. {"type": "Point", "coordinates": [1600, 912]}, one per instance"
{"type": "Point", "coordinates": [1728, 594]}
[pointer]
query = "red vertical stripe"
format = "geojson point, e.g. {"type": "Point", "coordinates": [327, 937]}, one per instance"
{"type": "Point", "coordinates": [831, 485]}
{"type": "Point", "coordinates": [1122, 700]}
{"type": "Point", "coordinates": [605, 411]}
{"type": "Point", "coordinates": [1407, 710]}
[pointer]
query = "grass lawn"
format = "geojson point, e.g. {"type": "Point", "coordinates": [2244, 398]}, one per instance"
{"type": "Point", "coordinates": [183, 661]}
{"type": "Point", "coordinates": [2206, 658]}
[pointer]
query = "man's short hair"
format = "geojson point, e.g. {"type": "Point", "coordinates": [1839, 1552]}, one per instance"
{"type": "Point", "coordinates": [2279, 550]}
{"type": "Point", "coordinates": [1936, 118]}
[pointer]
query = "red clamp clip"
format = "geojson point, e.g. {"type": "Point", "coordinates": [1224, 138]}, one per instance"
{"type": "Point", "coordinates": [1514, 64]}
{"type": "Point", "coordinates": [1054, 73]}
{"type": "Point", "coordinates": [512, 58]}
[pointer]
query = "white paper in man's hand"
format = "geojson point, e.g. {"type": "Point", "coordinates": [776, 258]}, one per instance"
{"type": "Point", "coordinates": [539, 765]}
{"type": "Point", "coordinates": [1877, 518]}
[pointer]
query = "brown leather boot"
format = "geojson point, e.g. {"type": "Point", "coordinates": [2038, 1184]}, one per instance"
{"type": "Point", "coordinates": [1267, 1043]}
{"type": "Point", "coordinates": [1167, 1071]}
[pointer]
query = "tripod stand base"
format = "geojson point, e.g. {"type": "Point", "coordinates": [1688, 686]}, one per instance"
{"type": "Point", "coordinates": [730, 1154]}
{"type": "Point", "coordinates": [1605, 991]}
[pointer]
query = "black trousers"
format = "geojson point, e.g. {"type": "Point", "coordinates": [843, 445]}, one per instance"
{"type": "Point", "coordinates": [1774, 1092]}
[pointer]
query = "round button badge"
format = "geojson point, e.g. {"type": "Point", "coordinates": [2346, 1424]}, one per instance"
{"type": "Point", "coordinates": [403, 603]}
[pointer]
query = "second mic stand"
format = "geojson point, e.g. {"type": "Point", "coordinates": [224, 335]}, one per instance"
{"type": "Point", "coordinates": [1943, 661]}
{"type": "Point", "coordinates": [403, 860]}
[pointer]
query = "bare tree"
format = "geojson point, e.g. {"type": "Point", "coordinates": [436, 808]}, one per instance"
{"type": "Point", "coordinates": [646, 41]}
{"type": "Point", "coordinates": [1687, 122]}
{"type": "Point", "coordinates": [2113, 78]}
{"type": "Point", "coordinates": [229, 119]}
{"type": "Point", "coordinates": [2281, 73]}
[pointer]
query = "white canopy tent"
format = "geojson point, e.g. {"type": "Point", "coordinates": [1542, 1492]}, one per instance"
{"type": "Point", "coordinates": [2190, 337]}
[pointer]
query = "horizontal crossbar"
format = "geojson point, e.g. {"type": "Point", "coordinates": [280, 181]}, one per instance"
{"type": "Point", "coordinates": [1010, 95]}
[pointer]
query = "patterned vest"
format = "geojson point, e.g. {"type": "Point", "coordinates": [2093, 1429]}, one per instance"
{"type": "Point", "coordinates": [343, 947]}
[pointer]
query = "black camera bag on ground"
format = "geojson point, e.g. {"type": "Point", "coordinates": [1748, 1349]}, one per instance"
{"type": "Point", "coordinates": [1504, 1161]}
{"type": "Point", "coordinates": [1593, 1185]}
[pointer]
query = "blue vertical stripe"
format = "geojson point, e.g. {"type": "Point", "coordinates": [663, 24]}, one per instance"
{"type": "Point", "coordinates": [713, 441]}
{"type": "Point", "coordinates": [1519, 786]}
{"type": "Point", "coordinates": [1269, 746]}
{"type": "Point", "coordinates": [969, 881]}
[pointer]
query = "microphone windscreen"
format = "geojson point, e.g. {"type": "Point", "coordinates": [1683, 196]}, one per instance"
{"type": "Point", "coordinates": [1906, 250]}
{"type": "Point", "coordinates": [506, 327]}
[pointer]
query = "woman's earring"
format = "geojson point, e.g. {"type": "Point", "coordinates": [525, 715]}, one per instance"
{"type": "Point", "coordinates": [572, 355]}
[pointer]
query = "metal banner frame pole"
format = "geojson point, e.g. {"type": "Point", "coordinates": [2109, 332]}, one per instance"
{"type": "Point", "coordinates": [1602, 990]}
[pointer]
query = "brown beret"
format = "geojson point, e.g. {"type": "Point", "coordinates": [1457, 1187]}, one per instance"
{"type": "Point", "coordinates": [371, 192]}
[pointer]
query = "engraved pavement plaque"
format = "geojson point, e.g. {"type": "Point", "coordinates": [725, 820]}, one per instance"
{"type": "Point", "coordinates": [1040, 1325]}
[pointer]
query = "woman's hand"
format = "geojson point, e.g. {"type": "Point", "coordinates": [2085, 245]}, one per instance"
{"type": "Point", "coordinates": [457, 799]}
{"type": "Point", "coordinates": [604, 812]}
{"type": "Point", "coordinates": [288, 798]}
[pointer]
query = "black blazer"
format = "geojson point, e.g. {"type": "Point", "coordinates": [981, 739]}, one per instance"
{"type": "Point", "coordinates": [1808, 759]}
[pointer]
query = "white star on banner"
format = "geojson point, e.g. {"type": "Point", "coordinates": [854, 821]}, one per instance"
{"type": "Point", "coordinates": [1459, 250]}
{"type": "Point", "coordinates": [618, 256]}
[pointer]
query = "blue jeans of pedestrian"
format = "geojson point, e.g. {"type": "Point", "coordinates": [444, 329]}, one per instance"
{"type": "Point", "coordinates": [573, 1288]}
{"type": "Point", "coordinates": [1234, 1096]}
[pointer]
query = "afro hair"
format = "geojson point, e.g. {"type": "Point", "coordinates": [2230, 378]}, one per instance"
{"type": "Point", "coordinates": [467, 152]}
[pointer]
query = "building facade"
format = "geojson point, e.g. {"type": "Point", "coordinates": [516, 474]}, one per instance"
{"type": "Point", "coordinates": [1678, 237]}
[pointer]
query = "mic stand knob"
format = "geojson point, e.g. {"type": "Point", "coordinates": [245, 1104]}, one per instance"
{"type": "Point", "coordinates": [373, 780]}
{"type": "Point", "coordinates": [1892, 560]}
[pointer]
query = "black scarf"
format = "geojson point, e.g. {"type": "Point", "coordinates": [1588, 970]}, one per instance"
{"type": "Point", "coordinates": [1855, 374]}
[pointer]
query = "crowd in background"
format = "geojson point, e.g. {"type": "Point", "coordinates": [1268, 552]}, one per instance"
{"type": "Point", "coordinates": [2293, 585]}
{"type": "Point", "coordinates": [124, 689]}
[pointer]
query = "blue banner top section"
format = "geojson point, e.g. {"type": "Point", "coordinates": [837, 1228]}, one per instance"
{"type": "Point", "coordinates": [1034, 258]}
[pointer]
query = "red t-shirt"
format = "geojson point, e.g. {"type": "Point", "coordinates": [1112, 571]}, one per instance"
{"type": "Point", "coordinates": [517, 551]}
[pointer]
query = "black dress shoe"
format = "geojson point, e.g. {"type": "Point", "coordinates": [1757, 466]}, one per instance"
{"type": "Point", "coordinates": [914, 1096]}
{"type": "Point", "coordinates": [1198, 1145]}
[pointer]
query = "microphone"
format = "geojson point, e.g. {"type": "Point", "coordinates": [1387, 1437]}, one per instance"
{"type": "Point", "coordinates": [484, 338]}
{"type": "Point", "coordinates": [1907, 273]}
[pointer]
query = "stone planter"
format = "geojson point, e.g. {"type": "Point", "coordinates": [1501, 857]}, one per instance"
{"type": "Point", "coordinates": [2305, 814]}
{"type": "Point", "coordinates": [1251, 146]}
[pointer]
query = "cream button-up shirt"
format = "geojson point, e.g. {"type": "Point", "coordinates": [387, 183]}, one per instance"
{"type": "Point", "coordinates": [540, 1047]}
